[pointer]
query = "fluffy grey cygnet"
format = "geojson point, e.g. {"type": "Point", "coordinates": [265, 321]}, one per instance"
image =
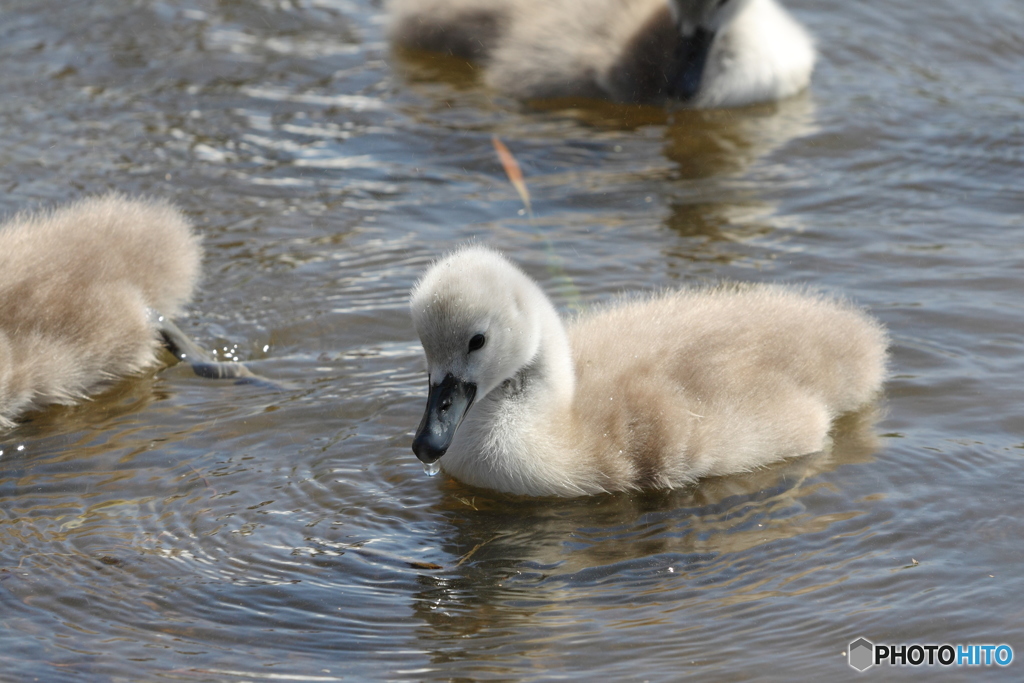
{"type": "Point", "coordinates": [704, 53]}
{"type": "Point", "coordinates": [651, 392]}
{"type": "Point", "coordinates": [86, 296]}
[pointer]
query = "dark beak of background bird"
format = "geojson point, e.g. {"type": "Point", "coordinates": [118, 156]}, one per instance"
{"type": "Point", "coordinates": [447, 403]}
{"type": "Point", "coordinates": [690, 58]}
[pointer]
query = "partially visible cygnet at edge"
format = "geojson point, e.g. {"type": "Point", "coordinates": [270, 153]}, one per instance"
{"type": "Point", "coordinates": [652, 392]}
{"type": "Point", "coordinates": [703, 53]}
{"type": "Point", "coordinates": [86, 296]}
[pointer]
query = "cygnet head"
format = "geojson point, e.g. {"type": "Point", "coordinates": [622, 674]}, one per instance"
{"type": "Point", "coordinates": [698, 22]}
{"type": "Point", "coordinates": [709, 15]}
{"type": "Point", "coordinates": [480, 319]}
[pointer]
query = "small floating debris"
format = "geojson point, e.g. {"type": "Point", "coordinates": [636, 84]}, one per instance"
{"type": "Point", "coordinates": [514, 172]}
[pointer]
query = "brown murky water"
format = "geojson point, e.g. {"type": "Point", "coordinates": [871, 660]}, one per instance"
{"type": "Point", "coordinates": [178, 529]}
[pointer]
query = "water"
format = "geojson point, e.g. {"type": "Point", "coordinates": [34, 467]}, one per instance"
{"type": "Point", "coordinates": [179, 529]}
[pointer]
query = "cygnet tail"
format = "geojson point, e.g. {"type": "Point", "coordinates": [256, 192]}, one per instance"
{"type": "Point", "coordinates": [464, 28]}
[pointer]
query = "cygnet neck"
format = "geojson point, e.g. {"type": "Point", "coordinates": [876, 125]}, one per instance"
{"type": "Point", "coordinates": [548, 379]}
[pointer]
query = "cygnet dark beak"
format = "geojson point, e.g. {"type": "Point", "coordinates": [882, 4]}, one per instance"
{"type": "Point", "coordinates": [447, 404]}
{"type": "Point", "coordinates": [690, 58]}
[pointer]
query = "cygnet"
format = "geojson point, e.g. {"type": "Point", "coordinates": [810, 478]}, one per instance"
{"type": "Point", "coordinates": [703, 53]}
{"type": "Point", "coordinates": [654, 391]}
{"type": "Point", "coordinates": [87, 292]}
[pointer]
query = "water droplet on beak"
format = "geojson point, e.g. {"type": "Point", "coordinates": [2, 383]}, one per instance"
{"type": "Point", "coordinates": [431, 469]}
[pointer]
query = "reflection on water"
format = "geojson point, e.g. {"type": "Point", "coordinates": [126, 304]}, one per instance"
{"type": "Point", "coordinates": [176, 529]}
{"type": "Point", "coordinates": [529, 569]}
{"type": "Point", "coordinates": [721, 515]}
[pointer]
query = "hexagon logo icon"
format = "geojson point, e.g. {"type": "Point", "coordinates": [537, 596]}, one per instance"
{"type": "Point", "coordinates": [861, 654]}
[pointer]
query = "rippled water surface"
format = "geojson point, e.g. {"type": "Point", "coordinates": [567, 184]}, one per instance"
{"type": "Point", "coordinates": [179, 529]}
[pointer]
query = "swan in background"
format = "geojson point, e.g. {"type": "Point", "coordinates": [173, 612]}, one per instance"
{"type": "Point", "coordinates": [86, 295]}
{"type": "Point", "coordinates": [704, 53]}
{"type": "Point", "coordinates": [651, 392]}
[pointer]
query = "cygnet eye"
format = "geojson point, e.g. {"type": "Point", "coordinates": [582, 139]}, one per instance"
{"type": "Point", "coordinates": [477, 342]}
